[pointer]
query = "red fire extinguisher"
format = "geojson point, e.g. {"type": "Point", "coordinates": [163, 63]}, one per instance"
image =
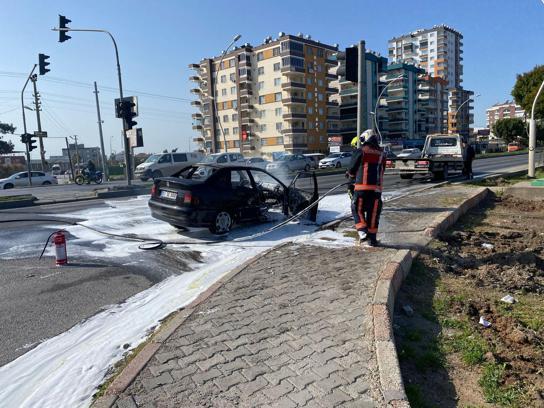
{"type": "Point", "coordinates": [60, 248]}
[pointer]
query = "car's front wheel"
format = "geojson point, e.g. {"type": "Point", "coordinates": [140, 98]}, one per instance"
{"type": "Point", "coordinates": [8, 185]}
{"type": "Point", "coordinates": [307, 167]}
{"type": "Point", "coordinates": [222, 223]}
{"type": "Point", "coordinates": [156, 174]}
{"type": "Point", "coordinates": [46, 183]}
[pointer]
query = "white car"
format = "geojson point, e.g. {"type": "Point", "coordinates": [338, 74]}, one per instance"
{"type": "Point", "coordinates": [413, 153]}
{"type": "Point", "coordinates": [21, 179]}
{"type": "Point", "coordinates": [166, 164]}
{"type": "Point", "coordinates": [336, 160]}
{"type": "Point", "coordinates": [257, 162]}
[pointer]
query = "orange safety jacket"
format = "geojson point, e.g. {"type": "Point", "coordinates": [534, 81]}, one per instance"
{"type": "Point", "coordinates": [367, 167]}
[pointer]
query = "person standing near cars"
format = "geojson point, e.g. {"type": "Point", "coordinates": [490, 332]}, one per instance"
{"type": "Point", "coordinates": [470, 154]}
{"type": "Point", "coordinates": [366, 169]}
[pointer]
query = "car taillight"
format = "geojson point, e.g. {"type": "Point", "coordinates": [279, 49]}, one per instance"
{"type": "Point", "coordinates": [154, 190]}
{"type": "Point", "coordinates": [389, 164]}
{"type": "Point", "coordinates": [422, 163]}
{"type": "Point", "coordinates": [187, 198]}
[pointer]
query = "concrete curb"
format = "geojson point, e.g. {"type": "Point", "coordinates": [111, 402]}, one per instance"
{"type": "Point", "coordinates": [4, 205]}
{"type": "Point", "coordinates": [129, 373]}
{"type": "Point", "coordinates": [383, 304]}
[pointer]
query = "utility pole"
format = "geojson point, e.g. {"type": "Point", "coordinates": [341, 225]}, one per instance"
{"type": "Point", "coordinates": [361, 74]}
{"type": "Point", "coordinates": [73, 175]}
{"type": "Point", "coordinates": [104, 163]}
{"type": "Point", "coordinates": [34, 79]}
{"type": "Point", "coordinates": [24, 124]}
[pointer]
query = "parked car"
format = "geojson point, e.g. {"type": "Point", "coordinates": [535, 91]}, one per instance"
{"type": "Point", "coordinates": [166, 164]}
{"type": "Point", "coordinates": [314, 159]}
{"type": "Point", "coordinates": [336, 160]}
{"type": "Point", "coordinates": [21, 179]}
{"type": "Point", "coordinates": [513, 147]}
{"type": "Point", "coordinates": [220, 158]}
{"type": "Point", "coordinates": [257, 162]}
{"type": "Point", "coordinates": [289, 162]}
{"type": "Point", "coordinates": [413, 153]}
{"type": "Point", "coordinates": [227, 194]}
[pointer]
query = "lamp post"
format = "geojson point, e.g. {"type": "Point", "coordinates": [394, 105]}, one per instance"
{"type": "Point", "coordinates": [460, 106]}
{"type": "Point", "coordinates": [24, 124]}
{"type": "Point", "coordinates": [375, 113]}
{"type": "Point", "coordinates": [236, 38]}
{"type": "Point", "coordinates": [532, 136]}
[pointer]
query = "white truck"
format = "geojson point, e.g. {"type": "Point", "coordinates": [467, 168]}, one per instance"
{"type": "Point", "coordinates": [442, 155]}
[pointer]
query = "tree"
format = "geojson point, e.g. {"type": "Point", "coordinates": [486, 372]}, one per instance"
{"type": "Point", "coordinates": [525, 90]}
{"type": "Point", "coordinates": [510, 129]}
{"type": "Point", "coordinates": [6, 147]}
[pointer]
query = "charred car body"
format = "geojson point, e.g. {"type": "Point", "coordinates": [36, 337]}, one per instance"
{"type": "Point", "coordinates": [217, 196]}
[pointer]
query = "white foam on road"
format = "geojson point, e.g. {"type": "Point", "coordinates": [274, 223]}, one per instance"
{"type": "Point", "coordinates": [65, 370]}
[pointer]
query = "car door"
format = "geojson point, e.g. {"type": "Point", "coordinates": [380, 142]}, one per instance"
{"type": "Point", "coordinates": [346, 159]}
{"type": "Point", "coordinates": [180, 162]}
{"type": "Point", "coordinates": [37, 177]}
{"type": "Point", "coordinates": [246, 195]}
{"type": "Point", "coordinates": [21, 179]}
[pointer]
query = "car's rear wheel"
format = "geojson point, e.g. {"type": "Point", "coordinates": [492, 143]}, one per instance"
{"type": "Point", "coordinates": [222, 223]}
{"type": "Point", "coordinates": [307, 167]}
{"type": "Point", "coordinates": [46, 183]}
{"type": "Point", "coordinates": [338, 165]}
{"type": "Point", "coordinates": [8, 185]}
{"type": "Point", "coordinates": [156, 174]}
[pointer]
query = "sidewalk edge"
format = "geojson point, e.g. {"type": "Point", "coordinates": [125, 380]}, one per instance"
{"type": "Point", "coordinates": [128, 374]}
{"type": "Point", "coordinates": [387, 287]}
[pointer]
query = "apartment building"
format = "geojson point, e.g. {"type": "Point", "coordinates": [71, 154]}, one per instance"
{"type": "Point", "coordinates": [274, 97]}
{"type": "Point", "coordinates": [506, 109]}
{"type": "Point", "coordinates": [375, 66]}
{"type": "Point", "coordinates": [406, 117]}
{"type": "Point", "coordinates": [459, 115]}
{"type": "Point", "coordinates": [438, 50]}
{"type": "Point", "coordinates": [432, 94]}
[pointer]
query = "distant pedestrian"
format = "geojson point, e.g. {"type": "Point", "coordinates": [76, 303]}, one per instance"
{"type": "Point", "coordinates": [470, 154]}
{"type": "Point", "coordinates": [367, 168]}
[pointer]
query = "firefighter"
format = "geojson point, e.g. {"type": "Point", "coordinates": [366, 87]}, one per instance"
{"type": "Point", "coordinates": [366, 168]}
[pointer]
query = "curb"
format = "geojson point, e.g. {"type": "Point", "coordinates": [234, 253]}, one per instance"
{"type": "Point", "coordinates": [129, 373]}
{"type": "Point", "coordinates": [383, 304]}
{"type": "Point", "coordinates": [4, 205]}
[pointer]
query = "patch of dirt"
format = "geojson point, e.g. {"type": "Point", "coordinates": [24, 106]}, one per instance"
{"type": "Point", "coordinates": [491, 252]}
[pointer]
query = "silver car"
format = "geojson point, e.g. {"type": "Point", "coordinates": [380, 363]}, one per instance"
{"type": "Point", "coordinates": [289, 162]}
{"type": "Point", "coordinates": [20, 179]}
{"type": "Point", "coordinates": [257, 162]}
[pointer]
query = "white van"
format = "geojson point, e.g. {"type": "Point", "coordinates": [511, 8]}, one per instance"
{"type": "Point", "coordinates": [166, 164]}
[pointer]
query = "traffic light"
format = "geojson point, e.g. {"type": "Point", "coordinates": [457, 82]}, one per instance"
{"type": "Point", "coordinates": [63, 35]}
{"type": "Point", "coordinates": [350, 69]}
{"type": "Point", "coordinates": [25, 137]}
{"type": "Point", "coordinates": [128, 113]}
{"type": "Point", "coordinates": [31, 143]}
{"type": "Point", "coordinates": [42, 59]}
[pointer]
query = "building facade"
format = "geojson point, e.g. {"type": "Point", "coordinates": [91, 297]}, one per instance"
{"type": "Point", "coordinates": [438, 50]}
{"type": "Point", "coordinates": [433, 99]}
{"type": "Point", "coordinates": [507, 109]}
{"type": "Point", "coordinates": [459, 111]}
{"type": "Point", "coordinates": [270, 98]}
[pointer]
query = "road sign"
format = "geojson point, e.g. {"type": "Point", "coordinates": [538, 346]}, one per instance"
{"type": "Point", "coordinates": [40, 134]}
{"type": "Point", "coordinates": [135, 137]}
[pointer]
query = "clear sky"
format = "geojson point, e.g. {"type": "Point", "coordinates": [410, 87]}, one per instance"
{"type": "Point", "coordinates": [158, 39]}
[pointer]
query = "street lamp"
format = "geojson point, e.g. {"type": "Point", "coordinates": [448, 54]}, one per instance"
{"type": "Point", "coordinates": [29, 108]}
{"type": "Point", "coordinates": [460, 106]}
{"type": "Point", "coordinates": [532, 135]}
{"type": "Point", "coordinates": [236, 38]}
{"type": "Point", "coordinates": [375, 113]}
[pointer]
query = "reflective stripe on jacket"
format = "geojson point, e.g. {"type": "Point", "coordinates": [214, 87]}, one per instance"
{"type": "Point", "coordinates": [367, 167]}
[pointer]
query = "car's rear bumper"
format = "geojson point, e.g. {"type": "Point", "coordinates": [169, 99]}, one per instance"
{"type": "Point", "coordinates": [180, 216]}
{"type": "Point", "coordinates": [327, 165]}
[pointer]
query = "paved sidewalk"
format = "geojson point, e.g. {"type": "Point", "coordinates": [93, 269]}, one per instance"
{"type": "Point", "coordinates": [293, 329]}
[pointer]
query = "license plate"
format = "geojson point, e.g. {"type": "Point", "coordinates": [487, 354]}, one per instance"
{"type": "Point", "coordinates": [170, 195]}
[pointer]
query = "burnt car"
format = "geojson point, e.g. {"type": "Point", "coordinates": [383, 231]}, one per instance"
{"type": "Point", "coordinates": [216, 196]}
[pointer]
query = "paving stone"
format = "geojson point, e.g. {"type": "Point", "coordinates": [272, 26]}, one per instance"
{"type": "Point", "coordinates": [302, 381]}
{"type": "Point", "coordinates": [301, 397]}
{"type": "Point", "coordinates": [151, 383]}
{"type": "Point", "coordinates": [235, 365]}
{"type": "Point", "coordinates": [278, 391]}
{"type": "Point", "coordinates": [226, 382]}
{"type": "Point", "coordinates": [184, 372]}
{"type": "Point", "coordinates": [249, 388]}
{"type": "Point", "coordinates": [126, 402]}
{"type": "Point", "coordinates": [205, 365]}
{"type": "Point", "coordinates": [334, 399]}
{"type": "Point", "coordinates": [201, 378]}
{"type": "Point", "coordinates": [252, 373]}
{"type": "Point", "coordinates": [157, 370]}
{"type": "Point", "coordinates": [276, 376]}
{"type": "Point", "coordinates": [165, 357]}
{"type": "Point", "coordinates": [326, 370]}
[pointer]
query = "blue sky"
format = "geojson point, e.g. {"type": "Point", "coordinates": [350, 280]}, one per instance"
{"type": "Point", "coordinates": [158, 39]}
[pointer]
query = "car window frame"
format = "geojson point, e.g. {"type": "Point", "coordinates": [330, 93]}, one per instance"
{"type": "Point", "coordinates": [163, 156]}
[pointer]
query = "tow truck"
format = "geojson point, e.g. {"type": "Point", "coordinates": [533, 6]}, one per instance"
{"type": "Point", "coordinates": [442, 155]}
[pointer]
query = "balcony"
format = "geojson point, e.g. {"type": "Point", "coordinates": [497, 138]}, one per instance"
{"type": "Point", "coordinates": [195, 78]}
{"type": "Point", "coordinates": [291, 69]}
{"type": "Point", "coordinates": [198, 127]}
{"type": "Point", "coordinates": [331, 103]}
{"type": "Point", "coordinates": [293, 116]}
{"type": "Point", "coordinates": [293, 101]}
{"type": "Point", "coordinates": [331, 90]}
{"type": "Point", "coordinates": [196, 103]}
{"type": "Point", "coordinates": [194, 66]}
{"type": "Point", "coordinates": [246, 120]}
{"type": "Point", "coordinates": [331, 76]}
{"type": "Point", "coordinates": [198, 140]}
{"type": "Point", "coordinates": [331, 62]}
{"type": "Point", "coordinates": [196, 91]}
{"type": "Point", "coordinates": [293, 84]}
{"type": "Point", "coordinates": [197, 116]}
{"type": "Point", "coordinates": [294, 131]}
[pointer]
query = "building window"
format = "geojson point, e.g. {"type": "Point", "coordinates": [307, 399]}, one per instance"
{"type": "Point", "coordinates": [310, 109]}
{"type": "Point", "coordinates": [322, 139]}
{"type": "Point", "coordinates": [260, 71]}
{"type": "Point", "coordinates": [225, 118]}
{"type": "Point", "coordinates": [276, 51]}
{"type": "Point", "coordinates": [321, 111]}
{"type": "Point", "coordinates": [242, 71]}
{"type": "Point", "coordinates": [233, 90]}
{"type": "Point", "coordinates": [262, 113]}
{"type": "Point", "coordinates": [236, 142]}
{"type": "Point", "coordinates": [234, 104]}
{"type": "Point", "coordinates": [232, 77]}
{"type": "Point", "coordinates": [311, 125]}
{"type": "Point", "coordinates": [260, 56]}
{"type": "Point", "coordinates": [279, 140]}
{"type": "Point", "coordinates": [277, 81]}
{"type": "Point", "coordinates": [293, 62]}
{"type": "Point", "coordinates": [279, 126]}
{"type": "Point", "coordinates": [320, 52]}
{"type": "Point", "coordinates": [278, 112]}
{"type": "Point", "coordinates": [223, 79]}
{"type": "Point", "coordinates": [261, 100]}
{"type": "Point", "coordinates": [260, 85]}
{"type": "Point", "coordinates": [262, 128]}
{"type": "Point", "coordinates": [320, 82]}
{"type": "Point", "coordinates": [277, 66]}
{"type": "Point", "coordinates": [277, 96]}
{"type": "Point", "coordinates": [320, 96]}
{"type": "Point", "coordinates": [234, 117]}
{"type": "Point", "coordinates": [310, 95]}
{"type": "Point", "coordinates": [321, 126]}
{"type": "Point", "coordinates": [224, 92]}
{"type": "Point", "coordinates": [235, 131]}
{"type": "Point", "coordinates": [309, 81]}
{"type": "Point", "coordinates": [226, 131]}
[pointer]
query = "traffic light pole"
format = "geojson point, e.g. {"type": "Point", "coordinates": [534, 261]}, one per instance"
{"type": "Point", "coordinates": [34, 79]}
{"type": "Point", "coordinates": [24, 124]}
{"type": "Point", "coordinates": [360, 91]}
{"type": "Point", "coordinates": [125, 140]}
